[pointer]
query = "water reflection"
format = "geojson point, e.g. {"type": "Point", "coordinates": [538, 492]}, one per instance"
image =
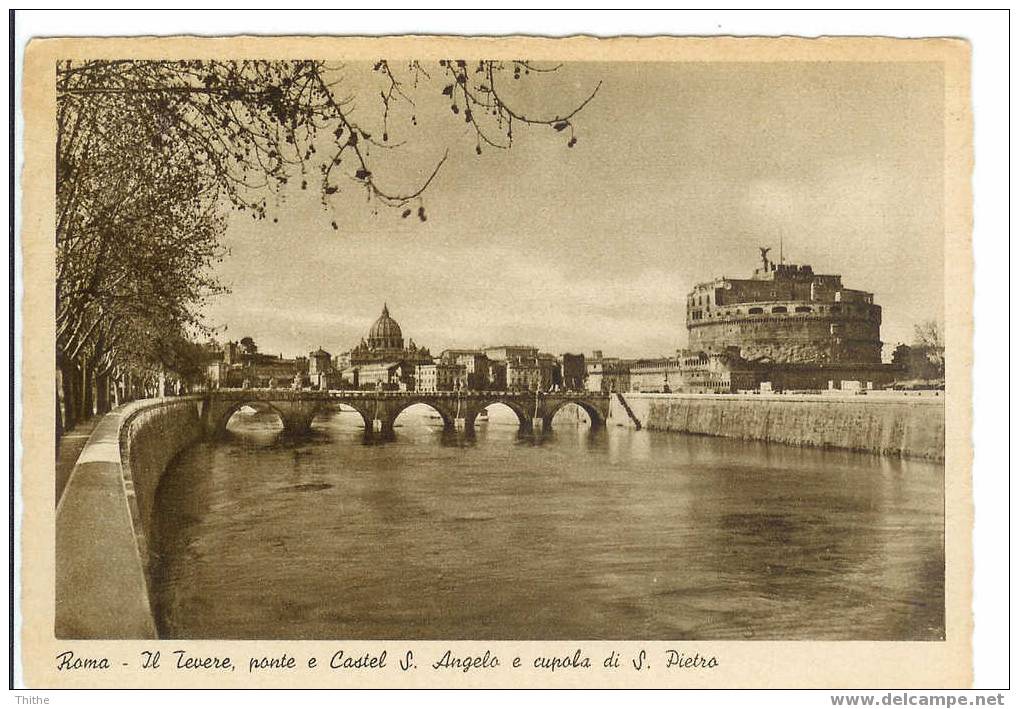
{"type": "Point", "coordinates": [567, 534]}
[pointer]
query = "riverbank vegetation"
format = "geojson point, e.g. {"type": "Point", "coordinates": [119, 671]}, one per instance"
{"type": "Point", "coordinates": [922, 362]}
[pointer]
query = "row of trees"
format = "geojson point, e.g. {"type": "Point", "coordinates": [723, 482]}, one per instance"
{"type": "Point", "coordinates": [151, 155]}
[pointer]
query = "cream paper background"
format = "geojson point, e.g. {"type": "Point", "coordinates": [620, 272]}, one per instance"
{"type": "Point", "coordinates": [741, 663]}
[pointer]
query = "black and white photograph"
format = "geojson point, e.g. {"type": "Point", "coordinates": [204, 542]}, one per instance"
{"type": "Point", "coordinates": [377, 345]}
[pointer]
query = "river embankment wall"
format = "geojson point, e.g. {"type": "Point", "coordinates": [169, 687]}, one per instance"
{"type": "Point", "coordinates": [104, 518]}
{"type": "Point", "coordinates": [890, 423]}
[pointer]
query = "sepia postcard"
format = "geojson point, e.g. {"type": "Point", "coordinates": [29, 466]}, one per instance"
{"type": "Point", "coordinates": [477, 362]}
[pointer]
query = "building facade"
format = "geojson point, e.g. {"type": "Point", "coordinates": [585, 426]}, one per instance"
{"type": "Point", "coordinates": [497, 375]}
{"type": "Point", "coordinates": [384, 376]}
{"type": "Point", "coordinates": [606, 374]}
{"type": "Point", "coordinates": [320, 369]}
{"type": "Point", "coordinates": [696, 373]}
{"type": "Point", "coordinates": [441, 376]}
{"type": "Point", "coordinates": [504, 353]}
{"type": "Point", "coordinates": [236, 367]}
{"type": "Point", "coordinates": [477, 367]}
{"type": "Point", "coordinates": [574, 371]}
{"type": "Point", "coordinates": [526, 375]}
{"type": "Point", "coordinates": [522, 368]}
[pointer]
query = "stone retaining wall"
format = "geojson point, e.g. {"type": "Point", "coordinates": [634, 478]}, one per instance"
{"type": "Point", "coordinates": [891, 424]}
{"type": "Point", "coordinates": [104, 518]}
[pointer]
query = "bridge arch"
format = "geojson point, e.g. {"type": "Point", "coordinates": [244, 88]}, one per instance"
{"type": "Point", "coordinates": [472, 413]}
{"type": "Point", "coordinates": [296, 413]}
{"type": "Point", "coordinates": [223, 417]}
{"type": "Point", "coordinates": [596, 417]}
{"type": "Point", "coordinates": [367, 417]}
{"type": "Point", "coordinates": [395, 408]}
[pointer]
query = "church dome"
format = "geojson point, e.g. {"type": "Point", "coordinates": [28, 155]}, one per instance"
{"type": "Point", "coordinates": [385, 332]}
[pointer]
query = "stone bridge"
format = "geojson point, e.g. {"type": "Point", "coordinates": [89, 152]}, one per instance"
{"type": "Point", "coordinates": [379, 409]}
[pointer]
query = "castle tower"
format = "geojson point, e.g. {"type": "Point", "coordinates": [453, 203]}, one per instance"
{"type": "Point", "coordinates": [785, 313]}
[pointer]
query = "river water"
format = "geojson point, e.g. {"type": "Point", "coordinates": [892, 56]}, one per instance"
{"type": "Point", "coordinates": [610, 534]}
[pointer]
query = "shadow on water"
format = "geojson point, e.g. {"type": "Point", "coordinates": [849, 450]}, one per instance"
{"type": "Point", "coordinates": [571, 533]}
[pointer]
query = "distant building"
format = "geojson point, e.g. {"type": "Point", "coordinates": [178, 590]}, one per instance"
{"type": "Point", "coordinates": [497, 375]}
{"type": "Point", "coordinates": [606, 374]}
{"type": "Point", "coordinates": [504, 353]}
{"type": "Point", "coordinates": [440, 376]}
{"type": "Point", "coordinates": [695, 373]}
{"type": "Point", "coordinates": [532, 373]}
{"type": "Point", "coordinates": [385, 376]}
{"type": "Point", "coordinates": [341, 361]}
{"type": "Point", "coordinates": [785, 313]}
{"type": "Point", "coordinates": [320, 369]}
{"type": "Point", "coordinates": [574, 371]}
{"type": "Point", "coordinates": [661, 375]}
{"type": "Point", "coordinates": [525, 375]}
{"type": "Point", "coordinates": [797, 330]}
{"type": "Point", "coordinates": [237, 366]}
{"type": "Point", "coordinates": [319, 362]}
{"type": "Point", "coordinates": [786, 327]}
{"type": "Point", "coordinates": [551, 369]}
{"type": "Point", "coordinates": [385, 344]}
{"type": "Point", "coordinates": [522, 368]}
{"type": "Point", "coordinates": [476, 364]}
{"type": "Point", "coordinates": [369, 364]}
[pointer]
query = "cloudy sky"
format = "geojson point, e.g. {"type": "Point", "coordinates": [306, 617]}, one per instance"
{"type": "Point", "coordinates": [679, 173]}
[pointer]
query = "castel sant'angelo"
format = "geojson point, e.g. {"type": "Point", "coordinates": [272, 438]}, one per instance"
{"type": "Point", "coordinates": [786, 313]}
{"type": "Point", "coordinates": [790, 326]}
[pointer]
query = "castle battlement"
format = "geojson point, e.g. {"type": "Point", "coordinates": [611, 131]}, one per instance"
{"type": "Point", "coordinates": [785, 313]}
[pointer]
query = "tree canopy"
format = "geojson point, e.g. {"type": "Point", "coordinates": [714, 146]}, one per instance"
{"type": "Point", "coordinates": [151, 154]}
{"type": "Point", "coordinates": [925, 358]}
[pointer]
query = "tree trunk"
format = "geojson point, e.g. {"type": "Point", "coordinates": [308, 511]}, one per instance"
{"type": "Point", "coordinates": [59, 420]}
{"type": "Point", "coordinates": [61, 393]}
{"type": "Point", "coordinates": [69, 402]}
{"type": "Point", "coordinates": [86, 411]}
{"type": "Point", "coordinates": [77, 394]}
{"type": "Point", "coordinates": [102, 383]}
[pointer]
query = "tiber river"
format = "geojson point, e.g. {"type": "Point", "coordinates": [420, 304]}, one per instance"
{"type": "Point", "coordinates": [611, 534]}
